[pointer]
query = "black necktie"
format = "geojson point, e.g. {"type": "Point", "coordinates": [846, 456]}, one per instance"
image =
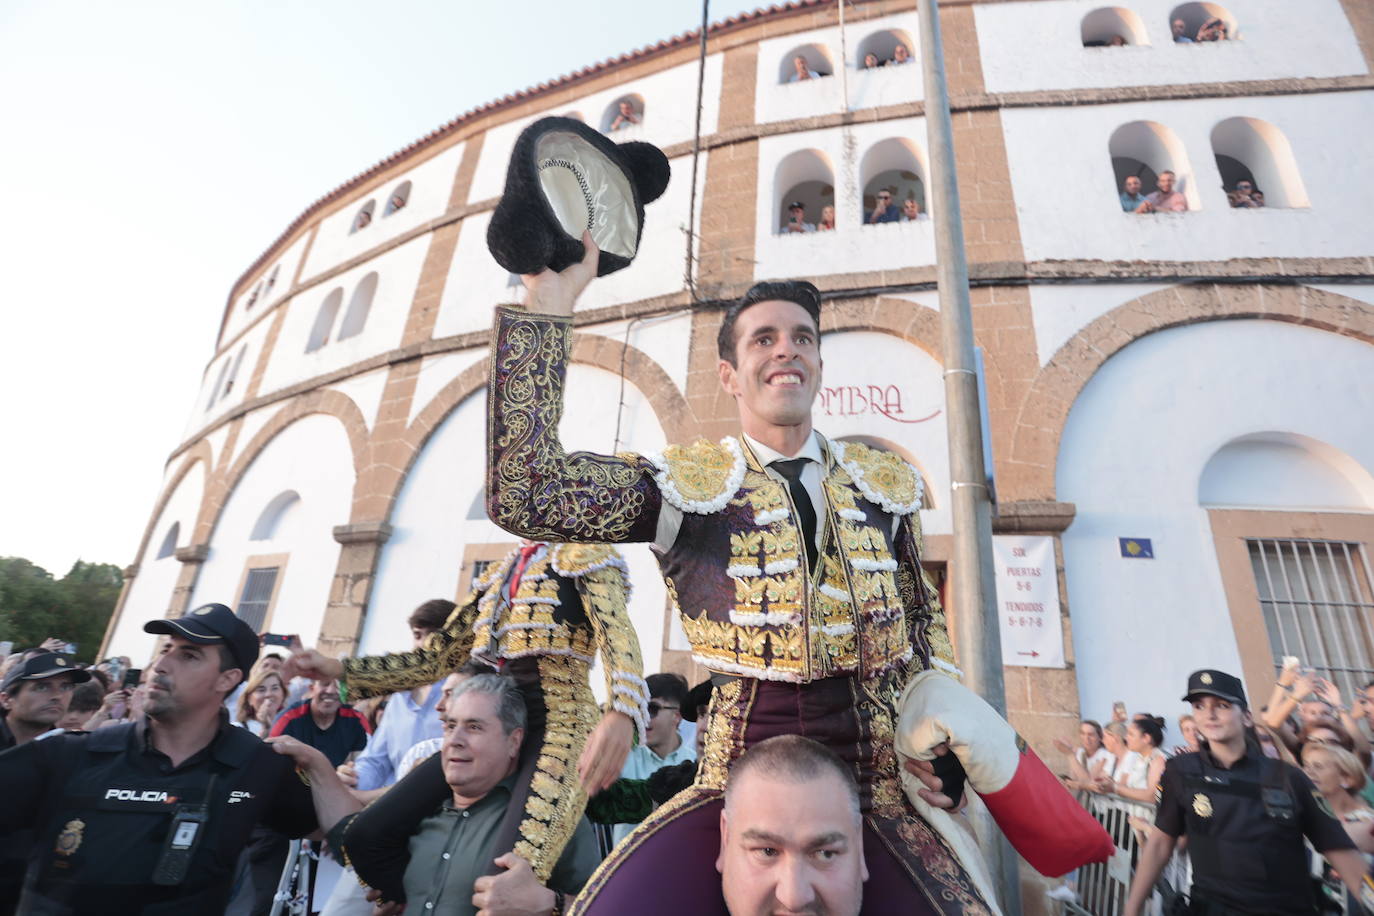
{"type": "Point", "coordinates": [792, 470]}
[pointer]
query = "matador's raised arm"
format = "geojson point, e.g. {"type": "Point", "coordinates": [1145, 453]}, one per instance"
{"type": "Point", "coordinates": [534, 488]}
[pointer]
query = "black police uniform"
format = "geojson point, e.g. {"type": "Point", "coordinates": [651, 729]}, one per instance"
{"type": "Point", "coordinates": [1245, 824]}
{"type": "Point", "coordinates": [109, 808]}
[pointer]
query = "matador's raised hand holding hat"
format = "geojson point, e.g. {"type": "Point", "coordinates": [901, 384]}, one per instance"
{"type": "Point", "coordinates": [565, 178]}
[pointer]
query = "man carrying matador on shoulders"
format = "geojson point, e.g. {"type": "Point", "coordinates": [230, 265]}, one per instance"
{"type": "Point", "coordinates": [793, 560]}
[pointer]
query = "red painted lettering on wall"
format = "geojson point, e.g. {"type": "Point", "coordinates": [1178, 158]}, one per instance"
{"type": "Point", "coordinates": [862, 400]}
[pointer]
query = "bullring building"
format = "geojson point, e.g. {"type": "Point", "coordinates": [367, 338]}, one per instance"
{"type": "Point", "coordinates": [1179, 400]}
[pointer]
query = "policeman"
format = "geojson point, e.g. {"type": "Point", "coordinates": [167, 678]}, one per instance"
{"type": "Point", "coordinates": [1245, 816]}
{"type": "Point", "coordinates": [149, 817]}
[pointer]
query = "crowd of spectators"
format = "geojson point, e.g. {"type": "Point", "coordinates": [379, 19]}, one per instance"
{"type": "Point", "coordinates": [884, 210]}
{"type": "Point", "coordinates": [1306, 722]}
{"type": "Point", "coordinates": [1214, 29]}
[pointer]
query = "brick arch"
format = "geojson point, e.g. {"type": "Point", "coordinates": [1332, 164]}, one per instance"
{"type": "Point", "coordinates": [320, 401]}
{"type": "Point", "coordinates": [384, 479]}
{"type": "Point", "coordinates": [910, 321]}
{"type": "Point", "coordinates": [1045, 410]}
{"type": "Point", "coordinates": [200, 453]}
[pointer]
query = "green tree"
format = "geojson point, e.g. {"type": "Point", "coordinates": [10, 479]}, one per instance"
{"type": "Point", "coordinates": [75, 608]}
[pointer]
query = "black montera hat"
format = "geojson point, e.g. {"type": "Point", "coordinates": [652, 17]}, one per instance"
{"type": "Point", "coordinates": [213, 625]}
{"type": "Point", "coordinates": [1212, 683]}
{"type": "Point", "coordinates": [565, 178]}
{"type": "Point", "coordinates": [42, 665]}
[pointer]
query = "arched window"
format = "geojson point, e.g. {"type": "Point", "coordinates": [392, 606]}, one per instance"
{"type": "Point", "coordinates": [805, 177]}
{"type": "Point", "coordinates": [169, 542]}
{"type": "Point", "coordinates": [364, 217]}
{"type": "Point", "coordinates": [893, 167]}
{"type": "Point", "coordinates": [624, 112]}
{"type": "Point", "coordinates": [1254, 152]}
{"type": "Point", "coordinates": [1147, 149]}
{"type": "Point", "coordinates": [1113, 25]}
{"type": "Point", "coordinates": [397, 199]}
{"type": "Point", "coordinates": [815, 62]}
{"type": "Point", "coordinates": [219, 382]}
{"type": "Point", "coordinates": [269, 521]}
{"type": "Point", "coordinates": [478, 510]}
{"type": "Point", "coordinates": [228, 385]}
{"type": "Point", "coordinates": [1193, 22]}
{"type": "Point", "coordinates": [890, 47]}
{"type": "Point", "coordinates": [324, 320]}
{"type": "Point", "coordinates": [358, 307]}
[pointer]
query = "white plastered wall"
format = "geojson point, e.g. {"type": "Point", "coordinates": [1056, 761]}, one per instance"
{"type": "Point", "coordinates": [852, 246]}
{"type": "Point", "coordinates": [251, 346]}
{"type": "Point", "coordinates": [312, 457]}
{"type": "Point", "coordinates": [1030, 46]}
{"type": "Point", "coordinates": [431, 183]}
{"type": "Point", "coordinates": [240, 316]}
{"type": "Point", "coordinates": [1068, 205]}
{"type": "Point", "coordinates": [664, 339]}
{"type": "Point", "coordinates": [398, 273]}
{"type": "Point", "coordinates": [878, 385]}
{"type": "Point", "coordinates": [891, 85]}
{"type": "Point", "coordinates": [1060, 311]}
{"type": "Point", "coordinates": [422, 558]}
{"type": "Point", "coordinates": [151, 592]}
{"type": "Point", "coordinates": [1131, 457]}
{"type": "Point", "coordinates": [670, 99]}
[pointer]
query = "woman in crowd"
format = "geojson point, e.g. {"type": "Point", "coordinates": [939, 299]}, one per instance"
{"type": "Point", "coordinates": [1141, 769]}
{"type": "Point", "coordinates": [1114, 740]}
{"type": "Point", "coordinates": [1089, 761]}
{"type": "Point", "coordinates": [827, 219]}
{"type": "Point", "coordinates": [1338, 776]}
{"type": "Point", "coordinates": [871, 61]}
{"type": "Point", "coordinates": [262, 699]}
{"type": "Point", "coordinates": [1187, 727]}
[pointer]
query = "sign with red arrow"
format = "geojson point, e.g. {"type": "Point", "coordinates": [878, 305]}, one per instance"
{"type": "Point", "coordinates": [1028, 601]}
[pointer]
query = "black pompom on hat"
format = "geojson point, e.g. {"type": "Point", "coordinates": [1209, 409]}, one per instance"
{"type": "Point", "coordinates": [565, 178]}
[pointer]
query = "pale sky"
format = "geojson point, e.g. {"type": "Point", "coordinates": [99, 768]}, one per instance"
{"type": "Point", "coordinates": [152, 150]}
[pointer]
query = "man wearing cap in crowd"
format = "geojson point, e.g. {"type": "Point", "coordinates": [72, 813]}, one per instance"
{"type": "Point", "coordinates": [35, 695]}
{"type": "Point", "coordinates": [796, 218]}
{"type": "Point", "coordinates": [149, 817]}
{"type": "Point", "coordinates": [1244, 814]}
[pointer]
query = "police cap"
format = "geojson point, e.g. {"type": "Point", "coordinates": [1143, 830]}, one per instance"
{"type": "Point", "coordinates": [213, 625]}
{"type": "Point", "coordinates": [1212, 683]}
{"type": "Point", "coordinates": [43, 665]}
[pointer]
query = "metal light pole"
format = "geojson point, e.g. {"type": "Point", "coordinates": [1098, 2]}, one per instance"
{"type": "Point", "coordinates": [973, 590]}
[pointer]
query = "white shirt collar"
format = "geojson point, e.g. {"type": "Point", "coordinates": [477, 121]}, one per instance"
{"type": "Point", "coordinates": [810, 450]}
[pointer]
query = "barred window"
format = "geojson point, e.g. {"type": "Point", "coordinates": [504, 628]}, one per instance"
{"type": "Point", "coordinates": [257, 596]}
{"type": "Point", "coordinates": [1317, 605]}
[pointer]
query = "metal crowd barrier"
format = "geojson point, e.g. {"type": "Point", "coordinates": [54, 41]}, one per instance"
{"type": "Point", "coordinates": [293, 889]}
{"type": "Point", "coordinates": [1102, 887]}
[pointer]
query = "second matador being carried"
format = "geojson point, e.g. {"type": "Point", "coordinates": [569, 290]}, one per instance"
{"type": "Point", "coordinates": [794, 561]}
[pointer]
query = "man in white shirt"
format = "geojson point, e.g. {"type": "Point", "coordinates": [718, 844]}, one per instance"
{"type": "Point", "coordinates": [663, 745]}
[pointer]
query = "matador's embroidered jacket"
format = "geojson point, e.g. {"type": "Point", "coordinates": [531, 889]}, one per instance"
{"type": "Point", "coordinates": [570, 602]}
{"type": "Point", "coordinates": [736, 571]}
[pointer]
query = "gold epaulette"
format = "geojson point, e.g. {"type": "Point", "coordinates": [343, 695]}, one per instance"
{"type": "Point", "coordinates": [574, 560]}
{"type": "Point", "coordinates": [882, 477]}
{"type": "Point", "coordinates": [701, 477]}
